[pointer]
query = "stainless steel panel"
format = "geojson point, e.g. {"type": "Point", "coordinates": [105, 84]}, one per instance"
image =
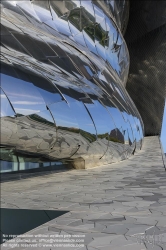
{"type": "Point", "coordinates": [47, 90]}
{"type": "Point", "coordinates": [11, 43]}
{"type": "Point", "coordinates": [9, 132]}
{"type": "Point", "coordinates": [42, 9]}
{"type": "Point", "coordinates": [22, 94]}
{"type": "Point", "coordinates": [90, 148]}
{"type": "Point", "coordinates": [100, 115]}
{"type": "Point", "coordinates": [67, 131]}
{"type": "Point", "coordinates": [88, 25]}
{"type": "Point", "coordinates": [37, 133]}
{"type": "Point", "coordinates": [65, 65]}
{"type": "Point", "coordinates": [85, 122]}
{"type": "Point", "coordinates": [60, 16]}
{"type": "Point", "coordinates": [6, 109]}
{"type": "Point", "coordinates": [101, 34]}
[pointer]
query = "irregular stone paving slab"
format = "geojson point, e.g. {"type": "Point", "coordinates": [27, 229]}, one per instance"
{"type": "Point", "coordinates": [121, 206]}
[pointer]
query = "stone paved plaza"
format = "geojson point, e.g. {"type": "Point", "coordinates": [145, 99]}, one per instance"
{"type": "Point", "coordinates": [119, 206]}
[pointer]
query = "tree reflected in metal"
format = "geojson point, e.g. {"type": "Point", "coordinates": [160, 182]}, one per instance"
{"type": "Point", "coordinates": [63, 75]}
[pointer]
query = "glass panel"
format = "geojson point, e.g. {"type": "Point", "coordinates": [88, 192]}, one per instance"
{"type": "Point", "coordinates": [8, 161]}
{"type": "Point", "coordinates": [7, 166]}
{"type": "Point", "coordinates": [23, 165]}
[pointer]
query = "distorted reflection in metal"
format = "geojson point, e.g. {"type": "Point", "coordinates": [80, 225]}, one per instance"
{"type": "Point", "coordinates": [63, 75]}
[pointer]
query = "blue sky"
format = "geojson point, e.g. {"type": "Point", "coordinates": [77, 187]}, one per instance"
{"type": "Point", "coordinates": [163, 130]}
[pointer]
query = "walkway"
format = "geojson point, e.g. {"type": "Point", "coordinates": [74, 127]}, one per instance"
{"type": "Point", "coordinates": [116, 207]}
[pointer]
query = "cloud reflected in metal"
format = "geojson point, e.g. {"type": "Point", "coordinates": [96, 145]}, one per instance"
{"type": "Point", "coordinates": [64, 70]}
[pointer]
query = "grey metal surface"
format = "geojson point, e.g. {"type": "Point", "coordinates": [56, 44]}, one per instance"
{"type": "Point", "coordinates": [63, 61]}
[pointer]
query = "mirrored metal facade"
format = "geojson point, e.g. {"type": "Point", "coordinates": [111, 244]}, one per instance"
{"type": "Point", "coordinates": [64, 66]}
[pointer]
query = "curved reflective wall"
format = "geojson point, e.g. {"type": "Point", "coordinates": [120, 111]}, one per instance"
{"type": "Point", "coordinates": [64, 66]}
